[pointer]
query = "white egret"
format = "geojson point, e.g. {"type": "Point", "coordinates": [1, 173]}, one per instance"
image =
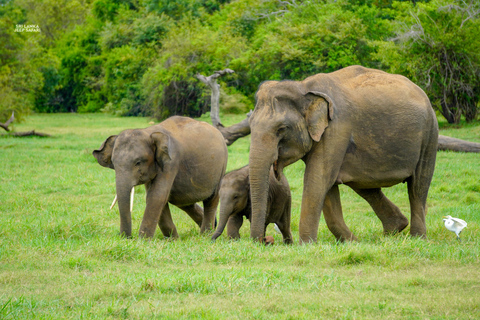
{"type": "Point", "coordinates": [455, 225]}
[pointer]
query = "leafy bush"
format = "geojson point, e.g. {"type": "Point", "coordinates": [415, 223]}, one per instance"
{"type": "Point", "coordinates": [170, 87]}
{"type": "Point", "coordinates": [19, 77]}
{"type": "Point", "coordinates": [435, 46]}
{"type": "Point", "coordinates": [309, 38]}
{"type": "Point", "coordinates": [141, 57]}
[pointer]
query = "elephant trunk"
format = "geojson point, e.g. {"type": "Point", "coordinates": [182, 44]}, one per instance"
{"type": "Point", "coordinates": [124, 191]}
{"type": "Point", "coordinates": [224, 216]}
{"type": "Point", "coordinates": [262, 155]}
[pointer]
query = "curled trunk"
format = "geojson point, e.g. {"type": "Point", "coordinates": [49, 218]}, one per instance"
{"type": "Point", "coordinates": [224, 216]}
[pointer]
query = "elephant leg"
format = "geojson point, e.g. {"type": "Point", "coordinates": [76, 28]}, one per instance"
{"type": "Point", "coordinates": [321, 171]}
{"type": "Point", "coordinates": [284, 227]}
{"type": "Point", "coordinates": [418, 185]}
{"type": "Point", "coordinates": [209, 212]}
{"type": "Point", "coordinates": [234, 224]}
{"type": "Point", "coordinates": [195, 212]}
{"type": "Point", "coordinates": [157, 210]}
{"type": "Point", "coordinates": [418, 202]}
{"type": "Point", "coordinates": [166, 223]}
{"type": "Point", "coordinates": [284, 223]}
{"type": "Point", "coordinates": [311, 210]}
{"type": "Point", "coordinates": [392, 219]}
{"type": "Point", "coordinates": [332, 211]}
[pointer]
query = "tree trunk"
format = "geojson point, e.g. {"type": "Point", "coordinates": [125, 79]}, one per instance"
{"type": "Point", "coordinates": [6, 124]}
{"type": "Point", "coordinates": [211, 81]}
{"type": "Point", "coordinates": [238, 130]}
{"type": "Point", "coordinates": [457, 145]}
{"type": "Point", "coordinates": [20, 134]}
{"type": "Point", "coordinates": [232, 133]}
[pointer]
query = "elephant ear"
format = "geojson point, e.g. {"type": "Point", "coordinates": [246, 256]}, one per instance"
{"type": "Point", "coordinates": [104, 154]}
{"type": "Point", "coordinates": [318, 114]}
{"type": "Point", "coordinates": [162, 151]}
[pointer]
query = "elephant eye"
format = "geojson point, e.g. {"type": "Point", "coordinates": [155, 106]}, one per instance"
{"type": "Point", "coordinates": [138, 163]}
{"type": "Point", "coordinates": [281, 130]}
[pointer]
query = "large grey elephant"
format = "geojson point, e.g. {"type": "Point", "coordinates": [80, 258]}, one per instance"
{"type": "Point", "coordinates": [180, 160]}
{"type": "Point", "coordinates": [235, 204]}
{"type": "Point", "coordinates": [356, 126]}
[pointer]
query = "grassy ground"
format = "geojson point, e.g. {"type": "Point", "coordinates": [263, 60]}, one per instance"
{"type": "Point", "coordinates": [61, 256]}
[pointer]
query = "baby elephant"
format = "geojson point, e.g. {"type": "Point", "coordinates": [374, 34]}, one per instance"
{"type": "Point", "coordinates": [235, 204]}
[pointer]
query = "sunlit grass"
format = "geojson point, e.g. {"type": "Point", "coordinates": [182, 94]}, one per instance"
{"type": "Point", "coordinates": [61, 255]}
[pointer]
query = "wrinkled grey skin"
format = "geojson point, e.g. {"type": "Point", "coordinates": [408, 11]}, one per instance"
{"type": "Point", "coordinates": [361, 127]}
{"type": "Point", "coordinates": [235, 204]}
{"type": "Point", "coordinates": [180, 160]}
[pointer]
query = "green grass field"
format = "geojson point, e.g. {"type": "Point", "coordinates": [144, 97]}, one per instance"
{"type": "Point", "coordinates": [61, 255]}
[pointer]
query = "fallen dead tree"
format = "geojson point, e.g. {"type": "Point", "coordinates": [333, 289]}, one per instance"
{"type": "Point", "coordinates": [453, 144]}
{"type": "Point", "coordinates": [232, 133]}
{"type": "Point", "coordinates": [20, 134]}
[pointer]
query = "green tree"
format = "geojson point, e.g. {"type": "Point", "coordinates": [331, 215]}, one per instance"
{"type": "Point", "coordinates": [190, 47]}
{"type": "Point", "coordinates": [437, 46]}
{"type": "Point", "coordinates": [18, 54]}
{"type": "Point", "coordinates": [54, 17]}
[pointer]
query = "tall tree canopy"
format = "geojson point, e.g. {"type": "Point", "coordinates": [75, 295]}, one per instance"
{"type": "Point", "coordinates": [140, 57]}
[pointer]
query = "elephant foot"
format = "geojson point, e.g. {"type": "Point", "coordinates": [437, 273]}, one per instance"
{"type": "Point", "coordinates": [125, 235]}
{"type": "Point", "coordinates": [418, 233]}
{"type": "Point", "coordinates": [169, 233]}
{"type": "Point", "coordinates": [207, 230]}
{"type": "Point", "coordinates": [171, 238]}
{"type": "Point", "coordinates": [396, 225]}
{"type": "Point", "coordinates": [348, 238]}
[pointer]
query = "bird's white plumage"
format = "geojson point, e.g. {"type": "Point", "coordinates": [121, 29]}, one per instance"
{"type": "Point", "coordinates": [454, 224]}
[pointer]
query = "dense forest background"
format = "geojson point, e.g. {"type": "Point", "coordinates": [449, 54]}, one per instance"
{"type": "Point", "coordinates": [140, 57]}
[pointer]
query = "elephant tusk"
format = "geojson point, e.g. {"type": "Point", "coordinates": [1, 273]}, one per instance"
{"type": "Point", "coordinates": [114, 201]}
{"type": "Point", "coordinates": [131, 198]}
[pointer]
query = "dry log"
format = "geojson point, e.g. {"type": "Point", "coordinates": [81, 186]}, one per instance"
{"type": "Point", "coordinates": [238, 130]}
{"type": "Point", "coordinates": [457, 145]}
{"type": "Point", "coordinates": [21, 134]}
{"type": "Point", "coordinates": [29, 133]}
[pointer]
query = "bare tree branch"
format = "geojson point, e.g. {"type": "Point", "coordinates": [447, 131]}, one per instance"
{"type": "Point", "coordinates": [20, 134]}
{"type": "Point", "coordinates": [470, 11]}
{"type": "Point", "coordinates": [211, 81]}
{"type": "Point", "coordinates": [6, 124]}
{"type": "Point", "coordinates": [232, 133]}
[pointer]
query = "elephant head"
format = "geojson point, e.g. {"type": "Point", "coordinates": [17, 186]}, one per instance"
{"type": "Point", "coordinates": [234, 200]}
{"type": "Point", "coordinates": [288, 119]}
{"type": "Point", "coordinates": [136, 156]}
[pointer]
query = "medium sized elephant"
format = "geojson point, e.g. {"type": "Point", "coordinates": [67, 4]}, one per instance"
{"type": "Point", "coordinates": [235, 204]}
{"type": "Point", "coordinates": [180, 161]}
